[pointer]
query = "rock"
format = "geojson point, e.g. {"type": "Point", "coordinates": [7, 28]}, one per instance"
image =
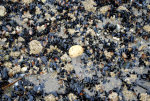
{"type": "Point", "coordinates": [124, 55]}
{"type": "Point", "coordinates": [24, 69]}
{"type": "Point", "coordinates": [144, 97]}
{"type": "Point", "coordinates": [75, 51]}
{"type": "Point", "coordinates": [71, 31]}
{"type": "Point", "coordinates": [104, 9]}
{"type": "Point", "coordinates": [72, 97]}
{"type": "Point", "coordinates": [2, 11]}
{"type": "Point", "coordinates": [50, 98]}
{"type": "Point", "coordinates": [8, 64]}
{"type": "Point", "coordinates": [15, 54]}
{"type": "Point", "coordinates": [142, 47]}
{"type": "Point", "coordinates": [147, 28]}
{"type": "Point", "coordinates": [43, 1]}
{"type": "Point", "coordinates": [89, 5]}
{"type": "Point", "coordinates": [41, 28]}
{"type": "Point", "coordinates": [20, 39]}
{"type": "Point", "coordinates": [68, 67]}
{"type": "Point", "coordinates": [16, 69]}
{"type": "Point", "coordinates": [65, 57]}
{"type": "Point", "coordinates": [91, 31]}
{"type": "Point", "coordinates": [129, 95]}
{"type": "Point", "coordinates": [38, 11]}
{"type": "Point", "coordinates": [148, 6]}
{"type": "Point", "coordinates": [122, 8]}
{"type": "Point", "coordinates": [35, 47]}
{"type": "Point", "coordinates": [108, 54]}
{"type": "Point", "coordinates": [113, 96]}
{"type": "Point", "coordinates": [27, 1]}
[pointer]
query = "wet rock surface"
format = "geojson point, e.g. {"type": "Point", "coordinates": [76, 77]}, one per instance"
{"type": "Point", "coordinates": [74, 50]}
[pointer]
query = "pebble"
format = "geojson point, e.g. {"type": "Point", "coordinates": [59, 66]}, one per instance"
{"type": "Point", "coordinates": [129, 95]}
{"type": "Point", "coordinates": [8, 64]}
{"type": "Point", "coordinates": [144, 97]}
{"type": "Point", "coordinates": [24, 69]}
{"type": "Point", "coordinates": [72, 97]}
{"type": "Point", "coordinates": [108, 54]}
{"type": "Point", "coordinates": [50, 97]}
{"type": "Point", "coordinates": [113, 96]}
{"type": "Point", "coordinates": [147, 28]}
{"type": "Point", "coordinates": [89, 5]}
{"type": "Point", "coordinates": [27, 1]}
{"type": "Point", "coordinates": [15, 54]}
{"type": "Point", "coordinates": [122, 8]}
{"type": "Point", "coordinates": [2, 11]}
{"type": "Point", "coordinates": [35, 47]}
{"type": "Point", "coordinates": [104, 9]}
{"type": "Point", "coordinates": [68, 67]}
{"type": "Point", "coordinates": [65, 57]}
{"type": "Point", "coordinates": [75, 51]}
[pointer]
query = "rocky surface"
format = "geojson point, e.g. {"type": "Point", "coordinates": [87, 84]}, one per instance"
{"type": "Point", "coordinates": [74, 50]}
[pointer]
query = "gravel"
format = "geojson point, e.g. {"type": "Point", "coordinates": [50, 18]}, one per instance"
{"type": "Point", "coordinates": [74, 50]}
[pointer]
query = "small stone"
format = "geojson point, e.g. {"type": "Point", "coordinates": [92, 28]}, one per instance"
{"type": "Point", "coordinates": [147, 28]}
{"type": "Point", "coordinates": [91, 31]}
{"type": "Point", "coordinates": [108, 54]}
{"type": "Point", "coordinates": [6, 57]}
{"type": "Point", "coordinates": [129, 95]}
{"type": "Point", "coordinates": [71, 31]}
{"type": "Point", "coordinates": [72, 97]}
{"type": "Point", "coordinates": [15, 54]}
{"type": "Point", "coordinates": [113, 96]}
{"type": "Point", "coordinates": [148, 6]}
{"type": "Point", "coordinates": [8, 64]}
{"type": "Point", "coordinates": [75, 51]}
{"type": "Point", "coordinates": [144, 97]}
{"type": "Point", "coordinates": [38, 11]}
{"type": "Point", "coordinates": [27, 1]}
{"type": "Point", "coordinates": [2, 11]}
{"type": "Point", "coordinates": [16, 69]}
{"type": "Point", "coordinates": [68, 67]}
{"type": "Point", "coordinates": [20, 39]}
{"type": "Point", "coordinates": [35, 47]}
{"type": "Point", "coordinates": [24, 69]}
{"type": "Point", "coordinates": [50, 98]}
{"type": "Point", "coordinates": [89, 5]}
{"type": "Point", "coordinates": [104, 9]}
{"type": "Point", "coordinates": [65, 57]}
{"type": "Point", "coordinates": [124, 55]}
{"type": "Point", "coordinates": [41, 28]}
{"type": "Point", "coordinates": [122, 8]}
{"type": "Point", "coordinates": [43, 1]}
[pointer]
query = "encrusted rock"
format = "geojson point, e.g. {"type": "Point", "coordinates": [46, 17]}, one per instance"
{"type": "Point", "coordinates": [8, 64]}
{"type": "Point", "coordinates": [113, 96]}
{"type": "Point", "coordinates": [50, 98]}
{"type": "Point", "coordinates": [147, 28]}
{"type": "Point", "coordinates": [89, 5]}
{"type": "Point", "coordinates": [72, 97]}
{"type": "Point", "coordinates": [68, 67]}
{"type": "Point", "coordinates": [35, 47]}
{"type": "Point", "coordinates": [108, 54]}
{"type": "Point", "coordinates": [27, 1]}
{"type": "Point", "coordinates": [104, 9]}
{"type": "Point", "coordinates": [15, 54]}
{"type": "Point", "coordinates": [129, 95]}
{"type": "Point", "coordinates": [144, 97]}
{"type": "Point", "coordinates": [65, 57]}
{"type": "Point", "coordinates": [122, 8]}
{"type": "Point", "coordinates": [2, 11]}
{"type": "Point", "coordinates": [75, 51]}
